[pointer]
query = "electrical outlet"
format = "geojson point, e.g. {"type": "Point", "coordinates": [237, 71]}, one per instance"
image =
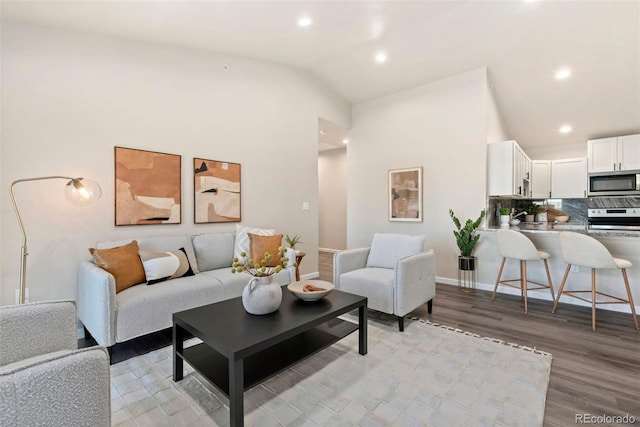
{"type": "Point", "coordinates": [575, 269]}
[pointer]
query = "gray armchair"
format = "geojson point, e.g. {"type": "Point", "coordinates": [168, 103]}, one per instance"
{"type": "Point", "coordinates": [44, 378]}
{"type": "Point", "coordinates": [395, 274]}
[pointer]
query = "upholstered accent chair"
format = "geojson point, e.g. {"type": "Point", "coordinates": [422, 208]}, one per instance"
{"type": "Point", "coordinates": [44, 378]}
{"type": "Point", "coordinates": [396, 274]}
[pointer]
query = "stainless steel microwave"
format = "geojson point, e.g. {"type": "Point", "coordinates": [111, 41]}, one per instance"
{"type": "Point", "coordinates": [614, 184]}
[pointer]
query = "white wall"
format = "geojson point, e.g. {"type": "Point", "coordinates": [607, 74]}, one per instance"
{"type": "Point", "coordinates": [69, 98]}
{"type": "Point", "coordinates": [440, 126]}
{"type": "Point", "coordinates": [332, 198]}
{"type": "Point", "coordinates": [568, 151]}
{"type": "Point", "coordinates": [496, 130]}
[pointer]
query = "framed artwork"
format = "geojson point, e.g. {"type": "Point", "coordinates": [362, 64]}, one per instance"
{"type": "Point", "coordinates": [405, 194]}
{"type": "Point", "coordinates": [216, 191]}
{"type": "Point", "coordinates": [147, 187]}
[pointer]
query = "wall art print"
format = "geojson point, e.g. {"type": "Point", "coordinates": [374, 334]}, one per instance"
{"type": "Point", "coordinates": [147, 187]}
{"type": "Point", "coordinates": [405, 194]}
{"type": "Point", "coordinates": [216, 191]}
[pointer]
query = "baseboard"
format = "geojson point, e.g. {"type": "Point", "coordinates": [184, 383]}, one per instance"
{"type": "Point", "coordinates": [543, 295]}
{"type": "Point", "coordinates": [309, 276]}
{"type": "Point", "coordinates": [330, 250]}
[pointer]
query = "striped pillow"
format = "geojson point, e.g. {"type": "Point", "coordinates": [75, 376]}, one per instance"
{"type": "Point", "coordinates": [161, 266]}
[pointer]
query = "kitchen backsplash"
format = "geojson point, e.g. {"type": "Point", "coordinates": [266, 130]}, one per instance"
{"type": "Point", "coordinates": [576, 209]}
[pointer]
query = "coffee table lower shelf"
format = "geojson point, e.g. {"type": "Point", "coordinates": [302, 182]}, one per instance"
{"type": "Point", "coordinates": [268, 362]}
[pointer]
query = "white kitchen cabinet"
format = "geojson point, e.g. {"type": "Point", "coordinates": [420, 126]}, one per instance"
{"type": "Point", "coordinates": [614, 154]}
{"type": "Point", "coordinates": [540, 179]}
{"type": "Point", "coordinates": [569, 178]}
{"type": "Point", "coordinates": [509, 170]}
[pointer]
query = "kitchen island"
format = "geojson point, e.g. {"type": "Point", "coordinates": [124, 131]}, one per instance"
{"type": "Point", "coordinates": [621, 243]}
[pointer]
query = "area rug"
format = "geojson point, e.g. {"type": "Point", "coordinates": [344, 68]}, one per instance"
{"type": "Point", "coordinates": [428, 375]}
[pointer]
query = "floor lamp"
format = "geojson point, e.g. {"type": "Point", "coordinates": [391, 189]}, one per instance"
{"type": "Point", "coordinates": [78, 191]}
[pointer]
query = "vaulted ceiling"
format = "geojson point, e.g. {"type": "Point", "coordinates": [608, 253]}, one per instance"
{"type": "Point", "coordinates": [522, 44]}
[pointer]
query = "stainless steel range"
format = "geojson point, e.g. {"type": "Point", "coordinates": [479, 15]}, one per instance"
{"type": "Point", "coordinates": [614, 218]}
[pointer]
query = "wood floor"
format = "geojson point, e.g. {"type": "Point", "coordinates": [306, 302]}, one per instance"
{"type": "Point", "coordinates": [594, 373]}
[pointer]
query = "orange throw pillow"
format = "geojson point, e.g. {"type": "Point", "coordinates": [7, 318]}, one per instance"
{"type": "Point", "coordinates": [123, 262]}
{"type": "Point", "coordinates": [258, 245]}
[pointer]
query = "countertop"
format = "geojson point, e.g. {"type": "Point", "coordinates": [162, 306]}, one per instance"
{"type": "Point", "coordinates": [551, 228]}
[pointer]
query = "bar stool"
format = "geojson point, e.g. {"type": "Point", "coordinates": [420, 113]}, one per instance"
{"type": "Point", "coordinates": [585, 251]}
{"type": "Point", "coordinates": [515, 245]}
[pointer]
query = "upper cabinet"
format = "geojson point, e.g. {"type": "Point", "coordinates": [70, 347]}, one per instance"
{"type": "Point", "coordinates": [569, 178]}
{"type": "Point", "coordinates": [509, 170]}
{"type": "Point", "coordinates": [540, 179]}
{"type": "Point", "coordinates": [615, 154]}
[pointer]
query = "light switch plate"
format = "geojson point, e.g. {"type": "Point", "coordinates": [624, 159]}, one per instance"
{"type": "Point", "coordinates": [305, 206]}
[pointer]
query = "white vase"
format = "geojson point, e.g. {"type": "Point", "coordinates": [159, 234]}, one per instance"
{"type": "Point", "coordinates": [504, 220]}
{"type": "Point", "coordinates": [262, 295]}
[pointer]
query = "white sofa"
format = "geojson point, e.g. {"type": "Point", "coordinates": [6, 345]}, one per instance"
{"type": "Point", "coordinates": [142, 309]}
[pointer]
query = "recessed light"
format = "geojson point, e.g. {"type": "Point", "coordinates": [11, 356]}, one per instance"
{"type": "Point", "coordinates": [305, 21]}
{"type": "Point", "coordinates": [345, 141]}
{"type": "Point", "coordinates": [563, 73]}
{"type": "Point", "coordinates": [565, 129]}
{"type": "Point", "coordinates": [322, 131]}
{"type": "Point", "coordinates": [381, 57]}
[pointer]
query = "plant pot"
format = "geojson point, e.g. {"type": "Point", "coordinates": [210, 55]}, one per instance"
{"type": "Point", "coordinates": [262, 295]}
{"type": "Point", "coordinates": [530, 218]}
{"type": "Point", "coordinates": [466, 263]}
{"type": "Point", "coordinates": [504, 220]}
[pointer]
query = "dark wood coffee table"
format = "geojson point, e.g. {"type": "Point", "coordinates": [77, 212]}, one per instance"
{"type": "Point", "coordinates": [240, 350]}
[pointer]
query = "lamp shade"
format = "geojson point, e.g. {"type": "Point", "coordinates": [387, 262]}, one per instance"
{"type": "Point", "coordinates": [82, 191]}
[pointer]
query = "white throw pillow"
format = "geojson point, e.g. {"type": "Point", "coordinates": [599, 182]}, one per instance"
{"type": "Point", "coordinates": [387, 249]}
{"type": "Point", "coordinates": [242, 238]}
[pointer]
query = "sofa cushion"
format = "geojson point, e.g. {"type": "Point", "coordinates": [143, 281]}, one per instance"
{"type": "Point", "coordinates": [214, 250]}
{"type": "Point", "coordinates": [261, 245]}
{"type": "Point", "coordinates": [374, 283]}
{"type": "Point", "coordinates": [242, 238]}
{"type": "Point", "coordinates": [160, 244]}
{"type": "Point", "coordinates": [123, 262]}
{"type": "Point", "coordinates": [144, 309]}
{"type": "Point", "coordinates": [388, 249]}
{"type": "Point", "coordinates": [161, 266]}
{"type": "Point", "coordinates": [234, 283]}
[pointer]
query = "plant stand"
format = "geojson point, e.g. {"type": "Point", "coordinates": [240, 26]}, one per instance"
{"type": "Point", "coordinates": [467, 274]}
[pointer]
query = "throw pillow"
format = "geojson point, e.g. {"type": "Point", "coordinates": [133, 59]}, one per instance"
{"type": "Point", "coordinates": [122, 262]}
{"type": "Point", "coordinates": [387, 249]}
{"type": "Point", "coordinates": [161, 266]}
{"type": "Point", "coordinates": [242, 238]}
{"type": "Point", "coordinates": [261, 244]}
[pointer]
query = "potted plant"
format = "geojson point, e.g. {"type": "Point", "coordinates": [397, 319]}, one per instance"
{"type": "Point", "coordinates": [505, 217]}
{"type": "Point", "coordinates": [532, 210]}
{"type": "Point", "coordinates": [466, 238]}
{"type": "Point", "coordinates": [292, 241]}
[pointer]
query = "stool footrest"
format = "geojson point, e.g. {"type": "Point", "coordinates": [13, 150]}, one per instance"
{"type": "Point", "coordinates": [618, 299]}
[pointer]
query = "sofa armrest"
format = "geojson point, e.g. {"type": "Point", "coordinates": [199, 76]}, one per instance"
{"type": "Point", "coordinates": [30, 330]}
{"type": "Point", "coordinates": [68, 389]}
{"type": "Point", "coordinates": [415, 282]}
{"type": "Point", "coordinates": [348, 260]}
{"type": "Point", "coordinates": [97, 302]}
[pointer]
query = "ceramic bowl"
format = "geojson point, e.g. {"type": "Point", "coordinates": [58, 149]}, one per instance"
{"type": "Point", "coordinates": [514, 221]}
{"type": "Point", "coordinates": [562, 218]}
{"type": "Point", "coordinates": [296, 288]}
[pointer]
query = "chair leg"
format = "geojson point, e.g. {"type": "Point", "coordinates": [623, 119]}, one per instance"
{"type": "Point", "coordinates": [498, 279]}
{"type": "Point", "coordinates": [523, 282]}
{"type": "Point", "coordinates": [401, 323]}
{"type": "Point", "coordinates": [429, 306]}
{"type": "Point", "coordinates": [633, 308]}
{"type": "Point", "coordinates": [593, 298]}
{"type": "Point", "coordinates": [564, 280]}
{"type": "Point", "coordinates": [546, 267]}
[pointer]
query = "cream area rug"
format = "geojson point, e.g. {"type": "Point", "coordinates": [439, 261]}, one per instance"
{"type": "Point", "coordinates": [430, 375]}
